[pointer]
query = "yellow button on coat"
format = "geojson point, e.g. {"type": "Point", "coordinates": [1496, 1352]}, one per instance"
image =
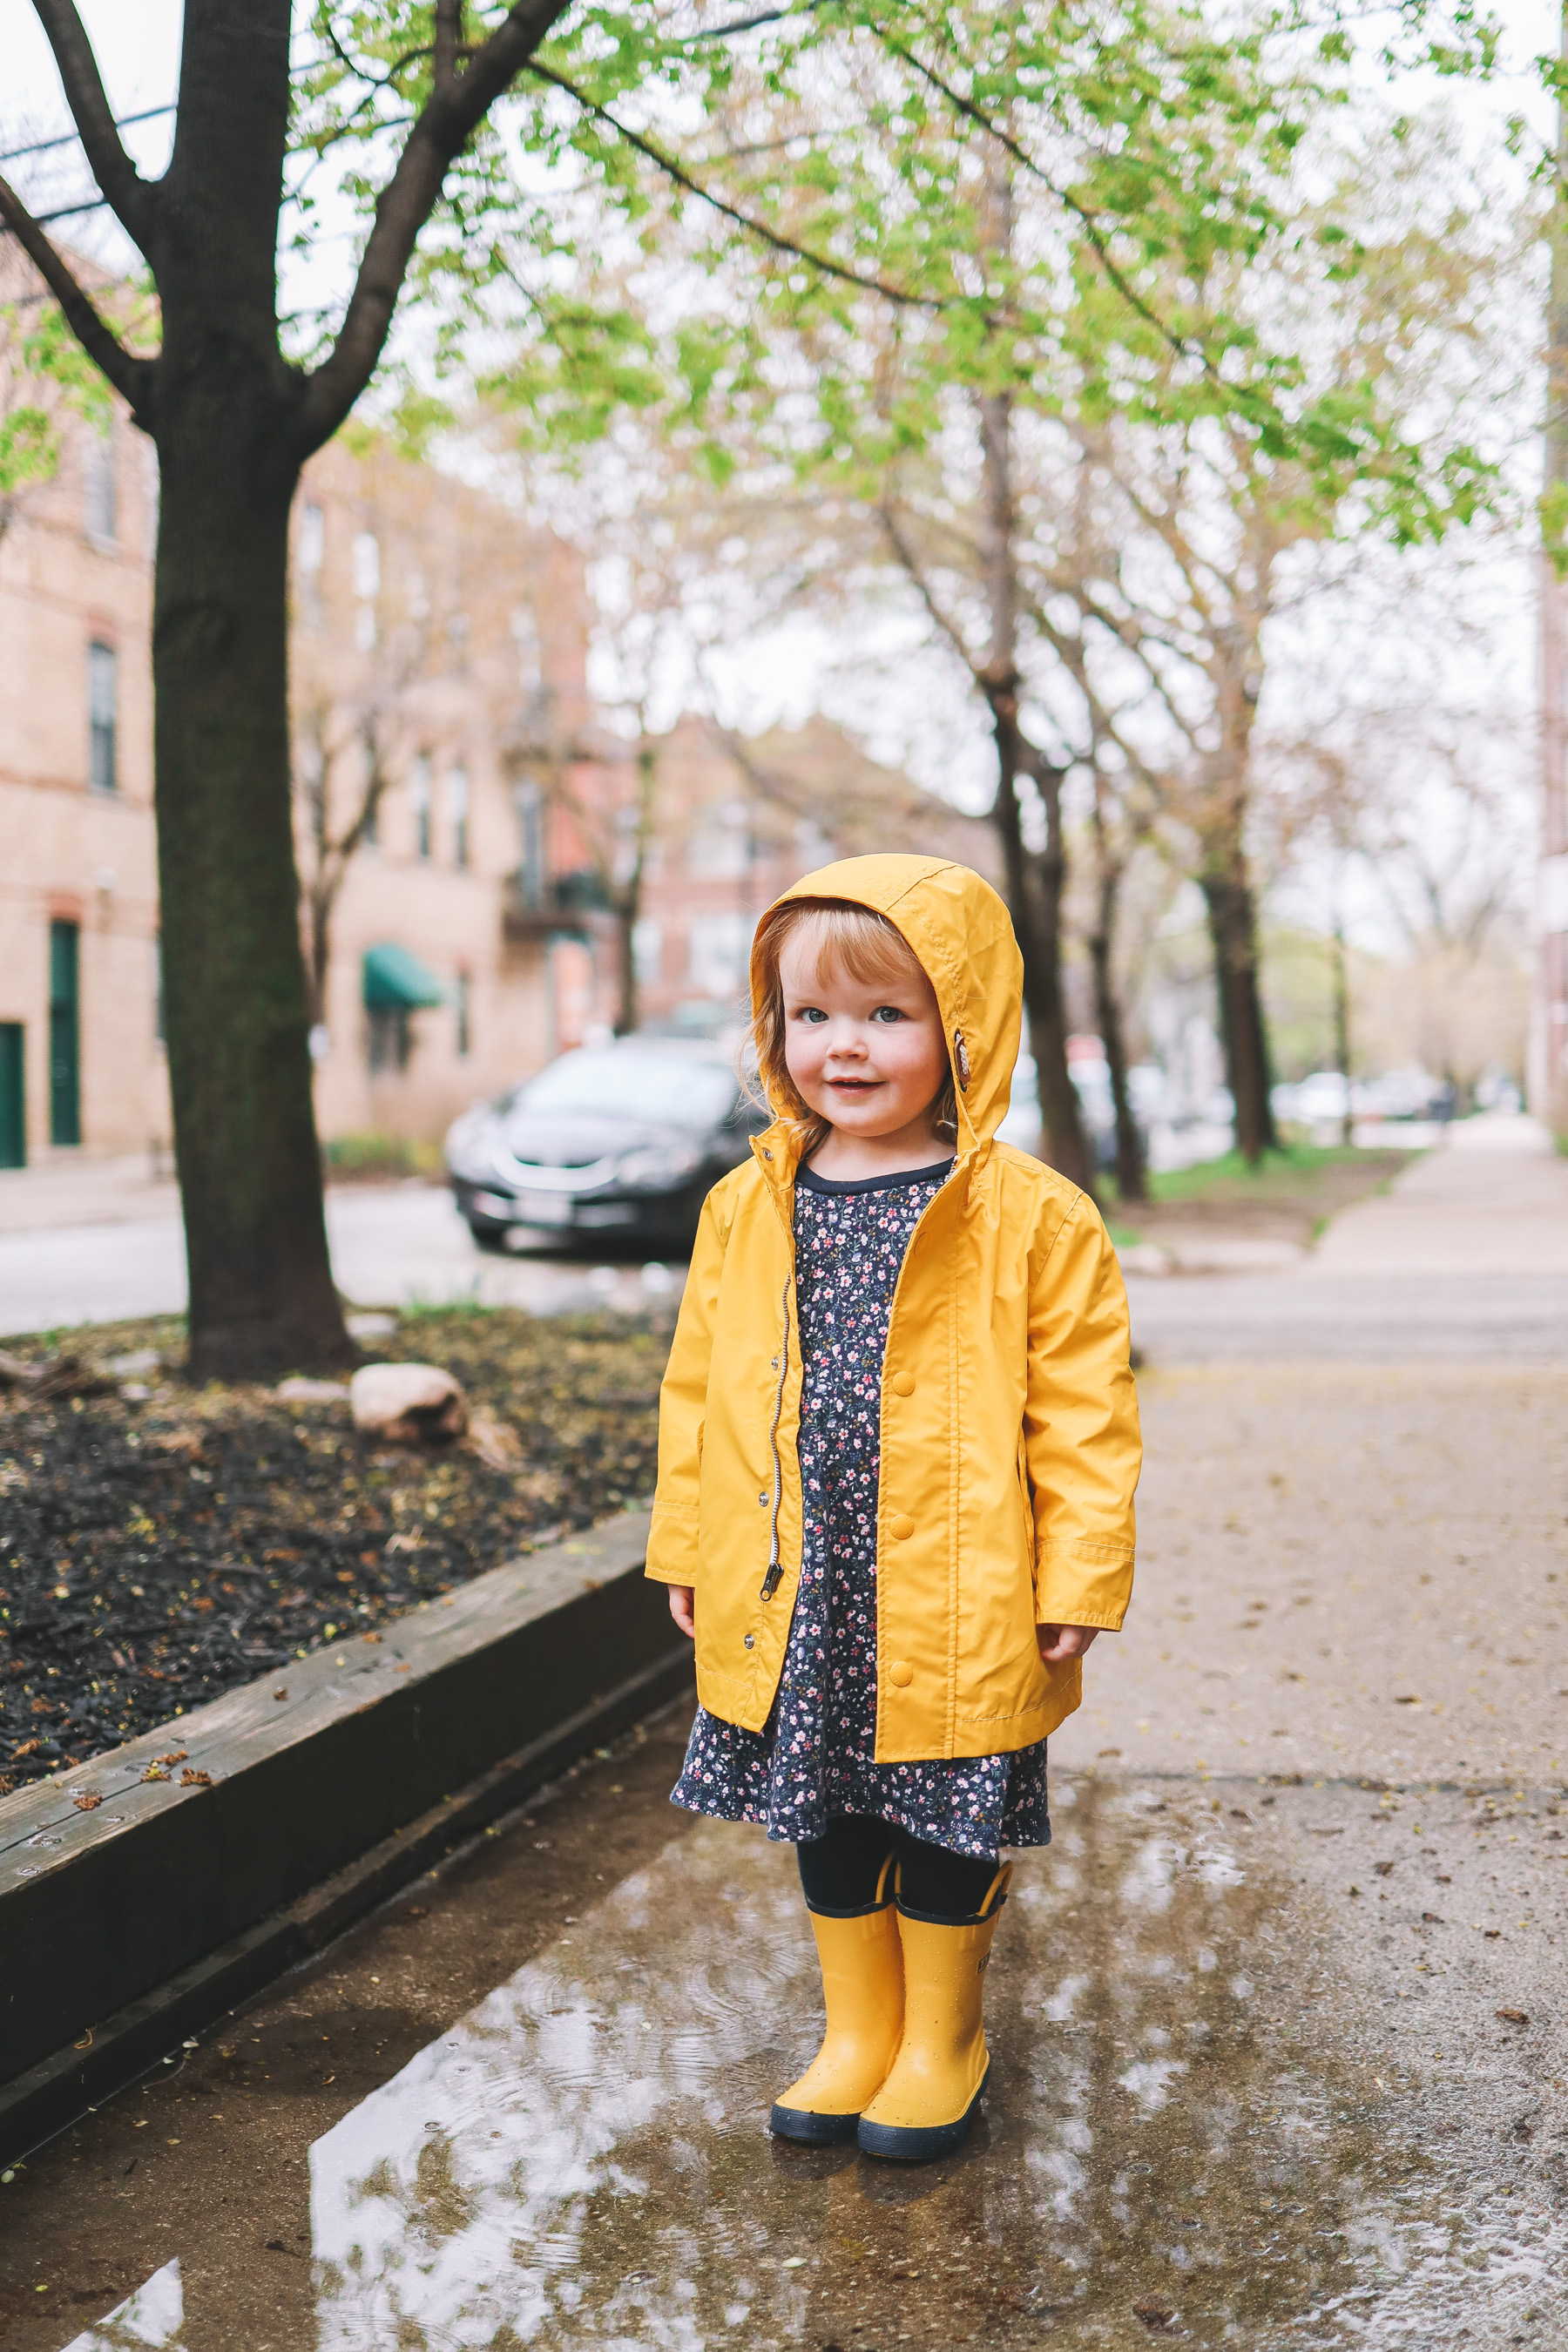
{"type": "Point", "coordinates": [900, 1527]}
{"type": "Point", "coordinates": [901, 1674]}
{"type": "Point", "coordinates": [902, 1384]}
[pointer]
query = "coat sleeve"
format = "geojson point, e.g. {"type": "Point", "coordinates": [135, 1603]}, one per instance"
{"type": "Point", "coordinates": [683, 1403]}
{"type": "Point", "coordinates": [1082, 1441]}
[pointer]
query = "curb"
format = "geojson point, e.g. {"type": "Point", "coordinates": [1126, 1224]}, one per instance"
{"type": "Point", "coordinates": [129, 1924]}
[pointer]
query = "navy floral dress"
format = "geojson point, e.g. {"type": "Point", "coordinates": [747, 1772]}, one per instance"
{"type": "Point", "coordinates": [815, 1757]}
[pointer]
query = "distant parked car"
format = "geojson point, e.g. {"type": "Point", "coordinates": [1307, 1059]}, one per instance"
{"type": "Point", "coordinates": [1319, 1100]}
{"type": "Point", "coordinates": [619, 1142]}
{"type": "Point", "coordinates": [1091, 1079]}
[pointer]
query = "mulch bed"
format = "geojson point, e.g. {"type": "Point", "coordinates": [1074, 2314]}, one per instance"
{"type": "Point", "coordinates": [159, 1544]}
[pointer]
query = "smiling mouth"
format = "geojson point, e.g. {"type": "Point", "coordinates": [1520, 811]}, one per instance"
{"type": "Point", "coordinates": [854, 1086]}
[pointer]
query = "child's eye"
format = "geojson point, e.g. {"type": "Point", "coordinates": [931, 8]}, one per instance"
{"type": "Point", "coordinates": [811, 1012]}
{"type": "Point", "coordinates": [887, 1013]}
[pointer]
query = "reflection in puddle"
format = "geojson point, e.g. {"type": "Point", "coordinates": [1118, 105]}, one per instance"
{"type": "Point", "coordinates": [152, 2317]}
{"type": "Point", "coordinates": [583, 2162]}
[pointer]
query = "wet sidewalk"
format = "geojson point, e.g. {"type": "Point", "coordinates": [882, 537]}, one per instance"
{"type": "Point", "coordinates": [1203, 2130]}
{"type": "Point", "coordinates": [1278, 2024]}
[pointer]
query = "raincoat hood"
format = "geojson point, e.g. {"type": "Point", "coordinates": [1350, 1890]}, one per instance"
{"type": "Point", "coordinates": [961, 933]}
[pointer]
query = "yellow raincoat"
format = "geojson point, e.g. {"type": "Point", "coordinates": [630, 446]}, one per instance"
{"type": "Point", "coordinates": [1009, 1422]}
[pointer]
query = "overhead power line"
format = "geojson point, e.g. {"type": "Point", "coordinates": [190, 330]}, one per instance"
{"type": "Point", "coordinates": [71, 137]}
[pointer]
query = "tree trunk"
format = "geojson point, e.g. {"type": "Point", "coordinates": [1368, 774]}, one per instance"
{"type": "Point", "coordinates": [226, 416]}
{"type": "Point", "coordinates": [1130, 1182]}
{"type": "Point", "coordinates": [1233, 929]}
{"type": "Point", "coordinates": [627, 895]}
{"type": "Point", "coordinates": [1342, 1026]}
{"type": "Point", "coordinates": [1034, 885]}
{"type": "Point", "coordinates": [262, 1298]}
{"type": "Point", "coordinates": [1035, 880]}
{"type": "Point", "coordinates": [1129, 1173]}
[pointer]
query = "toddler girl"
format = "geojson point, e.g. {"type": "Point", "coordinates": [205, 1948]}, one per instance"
{"type": "Point", "coordinates": [898, 1448]}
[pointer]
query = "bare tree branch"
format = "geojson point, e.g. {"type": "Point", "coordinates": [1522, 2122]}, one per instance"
{"type": "Point", "coordinates": [133, 198]}
{"type": "Point", "coordinates": [131, 377]}
{"type": "Point", "coordinates": [915, 571]}
{"type": "Point", "coordinates": [448, 118]}
{"type": "Point", "coordinates": [754, 227]}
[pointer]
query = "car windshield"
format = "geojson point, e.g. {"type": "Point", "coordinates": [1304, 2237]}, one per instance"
{"type": "Point", "coordinates": [613, 1084]}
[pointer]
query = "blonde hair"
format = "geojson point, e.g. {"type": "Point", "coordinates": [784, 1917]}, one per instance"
{"type": "Point", "coordinates": [848, 939]}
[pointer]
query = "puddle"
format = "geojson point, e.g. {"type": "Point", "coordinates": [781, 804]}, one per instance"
{"type": "Point", "coordinates": [148, 2321]}
{"type": "Point", "coordinates": [583, 2161]}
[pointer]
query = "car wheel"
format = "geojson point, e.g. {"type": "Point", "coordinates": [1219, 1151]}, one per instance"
{"type": "Point", "coordinates": [487, 1236]}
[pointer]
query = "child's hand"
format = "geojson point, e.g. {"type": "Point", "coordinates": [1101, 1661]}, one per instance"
{"type": "Point", "coordinates": [683, 1609]}
{"type": "Point", "coordinates": [1059, 1642]}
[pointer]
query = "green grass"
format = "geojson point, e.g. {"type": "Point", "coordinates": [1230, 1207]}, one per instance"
{"type": "Point", "coordinates": [1278, 1174]}
{"type": "Point", "coordinates": [381, 1155]}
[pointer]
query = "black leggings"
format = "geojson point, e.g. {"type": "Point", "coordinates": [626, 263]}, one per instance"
{"type": "Point", "coordinates": [839, 1872]}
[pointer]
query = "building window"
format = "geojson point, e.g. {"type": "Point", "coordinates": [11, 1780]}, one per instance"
{"type": "Point", "coordinates": [390, 1039]}
{"type": "Point", "coordinates": [97, 485]}
{"type": "Point", "coordinates": [461, 998]}
{"type": "Point", "coordinates": [13, 1095]}
{"type": "Point", "coordinates": [647, 950]}
{"type": "Point", "coordinates": [367, 587]}
{"type": "Point", "coordinates": [367, 565]}
{"type": "Point", "coordinates": [312, 543]}
{"type": "Point", "coordinates": [530, 830]}
{"type": "Point", "coordinates": [719, 948]}
{"type": "Point", "coordinates": [65, 1032]}
{"type": "Point", "coordinates": [310, 549]}
{"type": "Point", "coordinates": [102, 667]}
{"type": "Point", "coordinates": [457, 812]}
{"type": "Point", "coordinates": [419, 793]}
{"type": "Point", "coordinates": [718, 846]}
{"type": "Point", "coordinates": [525, 637]}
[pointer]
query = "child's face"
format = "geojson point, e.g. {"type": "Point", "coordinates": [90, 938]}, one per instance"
{"type": "Point", "coordinates": [868, 1056]}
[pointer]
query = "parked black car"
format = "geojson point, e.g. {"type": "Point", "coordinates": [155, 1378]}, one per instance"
{"type": "Point", "coordinates": [619, 1142]}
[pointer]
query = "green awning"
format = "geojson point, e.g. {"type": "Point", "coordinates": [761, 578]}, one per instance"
{"type": "Point", "coordinates": [396, 982]}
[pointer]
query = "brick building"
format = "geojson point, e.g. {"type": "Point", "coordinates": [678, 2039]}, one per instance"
{"type": "Point", "coordinates": [738, 819]}
{"type": "Point", "coordinates": [80, 1059]}
{"type": "Point", "coordinates": [439, 646]}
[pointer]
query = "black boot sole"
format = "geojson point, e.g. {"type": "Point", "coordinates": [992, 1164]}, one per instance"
{"type": "Point", "coordinates": [919, 2143]}
{"type": "Point", "coordinates": [810, 2130]}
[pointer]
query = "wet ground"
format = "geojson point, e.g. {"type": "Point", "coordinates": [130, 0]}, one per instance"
{"type": "Point", "coordinates": [1277, 2022]}
{"type": "Point", "coordinates": [526, 2106]}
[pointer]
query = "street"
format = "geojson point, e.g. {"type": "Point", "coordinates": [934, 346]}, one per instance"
{"type": "Point", "coordinates": [121, 1254]}
{"type": "Point", "coordinates": [1276, 2022]}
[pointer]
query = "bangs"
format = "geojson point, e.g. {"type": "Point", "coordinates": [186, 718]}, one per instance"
{"type": "Point", "coordinates": [852, 941]}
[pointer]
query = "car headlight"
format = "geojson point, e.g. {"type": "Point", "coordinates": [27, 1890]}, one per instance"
{"type": "Point", "coordinates": [654, 1166]}
{"type": "Point", "coordinates": [467, 1147]}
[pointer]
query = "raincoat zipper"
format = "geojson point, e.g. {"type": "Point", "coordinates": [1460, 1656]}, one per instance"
{"type": "Point", "coordinates": [775, 1566]}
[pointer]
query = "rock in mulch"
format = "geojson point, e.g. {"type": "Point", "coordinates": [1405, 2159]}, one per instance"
{"type": "Point", "coordinates": [408, 1404]}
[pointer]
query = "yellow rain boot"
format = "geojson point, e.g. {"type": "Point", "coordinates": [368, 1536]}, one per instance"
{"type": "Point", "coordinates": [938, 2079]}
{"type": "Point", "coordinates": [863, 1990]}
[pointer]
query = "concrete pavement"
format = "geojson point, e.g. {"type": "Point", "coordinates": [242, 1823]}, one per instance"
{"type": "Point", "coordinates": [1279, 2046]}
{"type": "Point", "coordinates": [1464, 1255]}
{"type": "Point", "coordinates": [1492, 1201]}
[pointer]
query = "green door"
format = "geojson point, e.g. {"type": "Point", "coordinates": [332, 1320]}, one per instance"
{"type": "Point", "coordinates": [13, 1097]}
{"type": "Point", "coordinates": [65, 1034]}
